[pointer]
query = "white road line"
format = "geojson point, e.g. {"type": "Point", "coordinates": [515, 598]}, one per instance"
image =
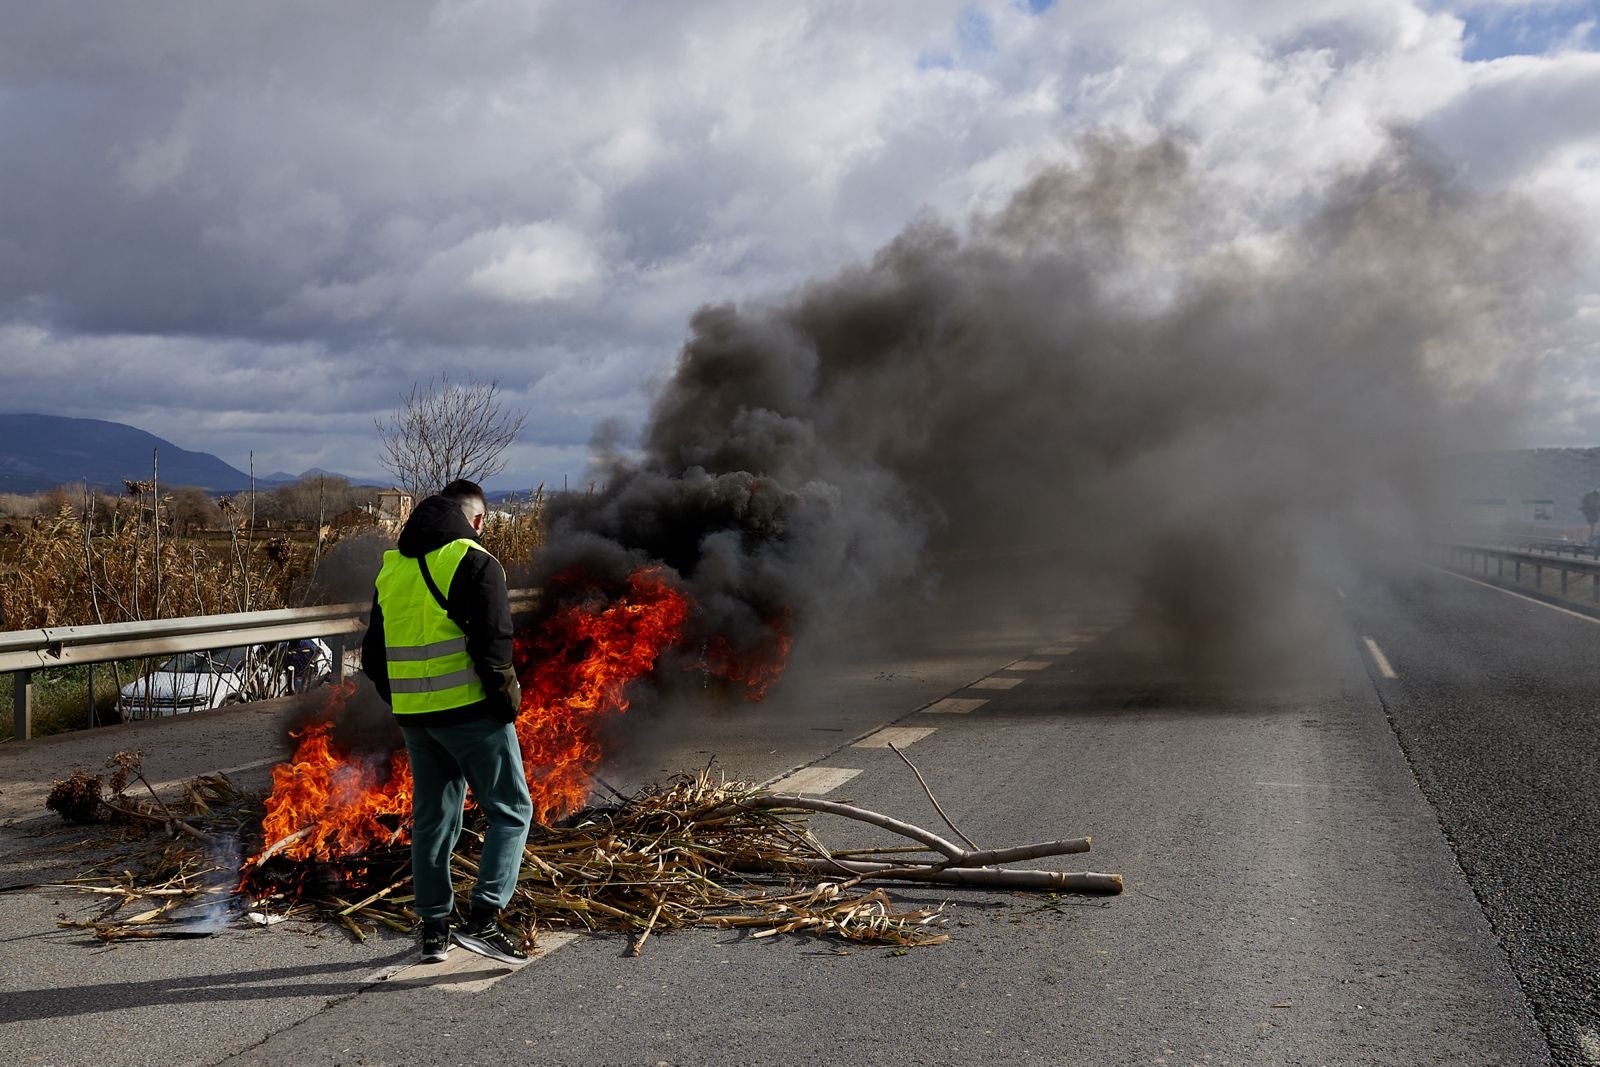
{"type": "Point", "coordinates": [1336, 589]}
{"type": "Point", "coordinates": [1380, 659]}
{"type": "Point", "coordinates": [954, 706]}
{"type": "Point", "coordinates": [467, 972]}
{"type": "Point", "coordinates": [815, 780]}
{"type": "Point", "coordinates": [996, 683]}
{"type": "Point", "coordinates": [899, 736]}
{"type": "Point", "coordinates": [1519, 596]}
{"type": "Point", "coordinates": [1027, 665]}
{"type": "Point", "coordinates": [1311, 785]}
{"type": "Point", "coordinates": [1056, 650]}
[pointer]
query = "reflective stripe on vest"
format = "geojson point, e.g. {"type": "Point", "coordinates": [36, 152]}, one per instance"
{"type": "Point", "coordinates": [429, 669]}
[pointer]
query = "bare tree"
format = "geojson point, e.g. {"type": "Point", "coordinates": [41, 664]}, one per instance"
{"type": "Point", "coordinates": [446, 430]}
{"type": "Point", "coordinates": [1590, 507]}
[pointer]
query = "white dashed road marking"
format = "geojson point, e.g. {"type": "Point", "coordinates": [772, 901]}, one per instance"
{"type": "Point", "coordinates": [996, 683]}
{"type": "Point", "coordinates": [955, 706]}
{"type": "Point", "coordinates": [899, 736]}
{"type": "Point", "coordinates": [467, 972]}
{"type": "Point", "coordinates": [1379, 658]}
{"type": "Point", "coordinates": [1056, 650]}
{"type": "Point", "coordinates": [814, 780]}
{"type": "Point", "coordinates": [1027, 665]}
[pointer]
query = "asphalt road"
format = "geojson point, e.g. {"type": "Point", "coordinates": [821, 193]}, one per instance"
{"type": "Point", "coordinates": [1293, 896]}
{"type": "Point", "coordinates": [1496, 701]}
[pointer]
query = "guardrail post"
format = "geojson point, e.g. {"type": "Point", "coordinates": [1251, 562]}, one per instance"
{"type": "Point", "coordinates": [1499, 567]}
{"type": "Point", "coordinates": [336, 646]}
{"type": "Point", "coordinates": [22, 705]}
{"type": "Point", "coordinates": [1519, 570]}
{"type": "Point", "coordinates": [1563, 581]}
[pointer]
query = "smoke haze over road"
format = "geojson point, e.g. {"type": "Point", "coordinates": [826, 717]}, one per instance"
{"type": "Point", "coordinates": [1101, 371]}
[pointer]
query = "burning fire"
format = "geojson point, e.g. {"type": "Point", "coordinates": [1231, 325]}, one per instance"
{"type": "Point", "coordinates": [574, 670]}
{"type": "Point", "coordinates": [756, 667]}
{"type": "Point", "coordinates": [336, 803]}
{"type": "Point", "coordinates": [573, 673]}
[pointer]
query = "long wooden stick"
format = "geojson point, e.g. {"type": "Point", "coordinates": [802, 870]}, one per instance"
{"type": "Point", "coordinates": [995, 877]}
{"type": "Point", "coordinates": [986, 858]}
{"type": "Point", "coordinates": [781, 801]}
{"type": "Point", "coordinates": [956, 855]}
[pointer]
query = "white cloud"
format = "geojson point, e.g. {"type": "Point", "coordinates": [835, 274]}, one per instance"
{"type": "Point", "coordinates": [409, 186]}
{"type": "Point", "coordinates": [534, 263]}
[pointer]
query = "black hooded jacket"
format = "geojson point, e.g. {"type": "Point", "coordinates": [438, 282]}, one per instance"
{"type": "Point", "coordinates": [476, 601]}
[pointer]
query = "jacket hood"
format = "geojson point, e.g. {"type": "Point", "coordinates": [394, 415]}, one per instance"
{"type": "Point", "coordinates": [436, 522]}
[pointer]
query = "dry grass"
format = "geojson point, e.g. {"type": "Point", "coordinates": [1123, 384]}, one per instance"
{"type": "Point", "coordinates": [62, 573]}
{"type": "Point", "coordinates": [516, 528]}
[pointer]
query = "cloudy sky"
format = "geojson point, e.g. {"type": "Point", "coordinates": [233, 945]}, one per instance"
{"type": "Point", "coordinates": [251, 227]}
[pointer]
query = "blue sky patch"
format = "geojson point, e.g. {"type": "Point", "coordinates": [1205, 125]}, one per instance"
{"type": "Point", "coordinates": [975, 31]}
{"type": "Point", "coordinates": [1493, 31]}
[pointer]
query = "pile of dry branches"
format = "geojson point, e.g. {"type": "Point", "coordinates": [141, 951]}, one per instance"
{"type": "Point", "coordinates": [698, 852]}
{"type": "Point", "coordinates": [186, 851]}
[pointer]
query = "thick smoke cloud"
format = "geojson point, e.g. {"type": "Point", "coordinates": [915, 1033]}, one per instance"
{"type": "Point", "coordinates": [1099, 374]}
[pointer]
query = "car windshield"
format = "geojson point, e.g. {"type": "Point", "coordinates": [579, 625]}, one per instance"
{"type": "Point", "coordinates": [216, 662]}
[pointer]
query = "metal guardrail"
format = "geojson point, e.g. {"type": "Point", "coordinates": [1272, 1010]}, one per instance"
{"type": "Point", "coordinates": [1477, 558]}
{"type": "Point", "coordinates": [24, 651]}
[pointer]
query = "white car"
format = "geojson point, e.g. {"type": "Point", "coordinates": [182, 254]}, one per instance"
{"type": "Point", "coordinates": [194, 681]}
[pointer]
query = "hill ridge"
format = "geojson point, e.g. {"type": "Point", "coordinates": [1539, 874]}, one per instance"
{"type": "Point", "coordinates": [42, 451]}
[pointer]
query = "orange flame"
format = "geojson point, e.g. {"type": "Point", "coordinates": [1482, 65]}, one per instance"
{"type": "Point", "coordinates": [346, 804]}
{"type": "Point", "coordinates": [574, 672]}
{"type": "Point", "coordinates": [756, 667]}
{"type": "Point", "coordinates": [573, 675]}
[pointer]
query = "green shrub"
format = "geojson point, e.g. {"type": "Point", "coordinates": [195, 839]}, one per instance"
{"type": "Point", "coordinates": [61, 698]}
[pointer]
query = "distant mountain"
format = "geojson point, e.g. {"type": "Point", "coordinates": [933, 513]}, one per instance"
{"type": "Point", "coordinates": [284, 477]}
{"type": "Point", "coordinates": [41, 451]}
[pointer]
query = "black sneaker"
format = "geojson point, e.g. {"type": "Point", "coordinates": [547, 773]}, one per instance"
{"type": "Point", "coordinates": [489, 939]}
{"type": "Point", "coordinates": [435, 940]}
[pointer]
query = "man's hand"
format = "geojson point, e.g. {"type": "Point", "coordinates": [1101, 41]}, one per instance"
{"type": "Point", "coordinates": [509, 693]}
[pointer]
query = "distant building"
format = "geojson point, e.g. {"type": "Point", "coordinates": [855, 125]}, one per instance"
{"type": "Point", "coordinates": [393, 509]}
{"type": "Point", "coordinates": [1533, 492]}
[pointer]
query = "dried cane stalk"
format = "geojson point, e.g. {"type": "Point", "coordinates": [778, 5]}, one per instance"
{"type": "Point", "coordinates": [931, 798]}
{"type": "Point", "coordinates": [996, 877]}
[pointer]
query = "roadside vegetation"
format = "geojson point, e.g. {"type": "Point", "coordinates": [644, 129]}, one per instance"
{"type": "Point", "coordinates": [75, 556]}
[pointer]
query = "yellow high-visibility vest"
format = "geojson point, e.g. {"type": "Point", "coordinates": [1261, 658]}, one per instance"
{"type": "Point", "coordinates": [429, 669]}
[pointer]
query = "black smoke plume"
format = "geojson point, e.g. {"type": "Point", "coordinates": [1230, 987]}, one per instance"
{"type": "Point", "coordinates": [1113, 375]}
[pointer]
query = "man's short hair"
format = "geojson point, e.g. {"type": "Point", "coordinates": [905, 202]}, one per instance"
{"type": "Point", "coordinates": [461, 490]}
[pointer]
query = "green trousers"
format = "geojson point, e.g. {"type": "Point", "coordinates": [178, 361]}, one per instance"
{"type": "Point", "coordinates": [445, 761]}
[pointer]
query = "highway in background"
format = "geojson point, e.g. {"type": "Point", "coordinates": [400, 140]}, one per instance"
{"type": "Point", "coordinates": [1293, 894]}
{"type": "Point", "coordinates": [1496, 701]}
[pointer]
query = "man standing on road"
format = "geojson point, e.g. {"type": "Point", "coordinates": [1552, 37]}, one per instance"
{"type": "Point", "coordinates": [438, 649]}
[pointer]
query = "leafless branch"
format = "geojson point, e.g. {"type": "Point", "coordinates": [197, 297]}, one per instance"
{"type": "Point", "coordinates": [446, 430]}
